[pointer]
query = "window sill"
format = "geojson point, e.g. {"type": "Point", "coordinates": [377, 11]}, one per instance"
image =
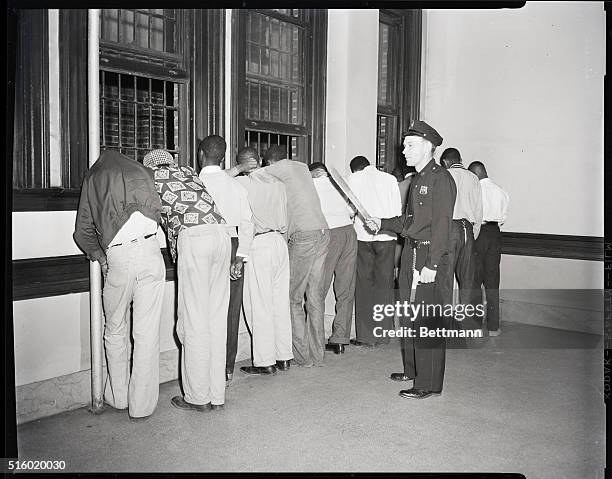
{"type": "Point", "coordinates": [51, 199]}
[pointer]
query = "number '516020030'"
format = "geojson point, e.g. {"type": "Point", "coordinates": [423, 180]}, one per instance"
{"type": "Point", "coordinates": [16, 465]}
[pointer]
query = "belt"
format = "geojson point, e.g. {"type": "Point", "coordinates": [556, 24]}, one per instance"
{"type": "Point", "coordinates": [464, 221]}
{"type": "Point", "coordinates": [419, 243]}
{"type": "Point", "coordinates": [266, 232]}
{"type": "Point", "coordinates": [134, 240]}
{"type": "Point", "coordinates": [490, 222]}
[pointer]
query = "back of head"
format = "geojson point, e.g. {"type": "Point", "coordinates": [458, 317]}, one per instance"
{"type": "Point", "coordinates": [402, 171]}
{"type": "Point", "coordinates": [450, 156]}
{"type": "Point", "coordinates": [211, 150]}
{"type": "Point", "coordinates": [248, 153]}
{"type": "Point", "coordinates": [478, 169]}
{"type": "Point", "coordinates": [359, 163]}
{"type": "Point", "coordinates": [275, 153]}
{"type": "Point", "coordinates": [318, 169]}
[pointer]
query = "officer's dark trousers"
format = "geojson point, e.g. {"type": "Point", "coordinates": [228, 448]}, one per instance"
{"type": "Point", "coordinates": [233, 315]}
{"type": "Point", "coordinates": [374, 285]}
{"type": "Point", "coordinates": [487, 258]}
{"type": "Point", "coordinates": [424, 357]}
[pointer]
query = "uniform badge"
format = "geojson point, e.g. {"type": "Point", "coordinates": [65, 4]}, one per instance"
{"type": "Point", "coordinates": [423, 190]}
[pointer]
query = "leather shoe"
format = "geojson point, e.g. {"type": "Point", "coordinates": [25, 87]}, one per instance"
{"type": "Point", "coordinates": [335, 347]}
{"type": "Point", "coordinates": [400, 377]}
{"type": "Point", "coordinates": [180, 403]}
{"type": "Point", "coordinates": [258, 369]}
{"type": "Point", "coordinates": [361, 343]}
{"type": "Point", "coordinates": [214, 407]}
{"type": "Point", "coordinates": [139, 419]}
{"type": "Point", "coordinates": [283, 365]}
{"type": "Point", "coordinates": [418, 393]}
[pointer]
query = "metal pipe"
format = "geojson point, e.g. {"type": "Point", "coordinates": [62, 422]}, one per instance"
{"type": "Point", "coordinates": [95, 277]}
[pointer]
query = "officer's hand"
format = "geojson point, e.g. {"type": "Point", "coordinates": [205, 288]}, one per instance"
{"type": "Point", "coordinates": [373, 224]}
{"type": "Point", "coordinates": [428, 275]}
{"type": "Point", "coordinates": [236, 268]}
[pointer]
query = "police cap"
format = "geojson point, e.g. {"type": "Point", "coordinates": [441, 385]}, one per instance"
{"type": "Point", "coordinates": [422, 129]}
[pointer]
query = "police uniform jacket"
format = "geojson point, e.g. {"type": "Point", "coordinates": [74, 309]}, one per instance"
{"type": "Point", "coordinates": [429, 212]}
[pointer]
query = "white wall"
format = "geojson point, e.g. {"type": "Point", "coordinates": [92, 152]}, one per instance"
{"type": "Point", "coordinates": [522, 91]}
{"type": "Point", "coordinates": [352, 86]}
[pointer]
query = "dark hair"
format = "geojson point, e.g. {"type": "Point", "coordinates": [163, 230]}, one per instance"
{"type": "Point", "coordinates": [478, 169]}
{"type": "Point", "coordinates": [245, 153]}
{"type": "Point", "coordinates": [275, 153]}
{"type": "Point", "coordinates": [401, 170]}
{"type": "Point", "coordinates": [211, 149]}
{"type": "Point", "coordinates": [398, 173]}
{"type": "Point", "coordinates": [317, 165]}
{"type": "Point", "coordinates": [359, 163]}
{"type": "Point", "coordinates": [451, 155]}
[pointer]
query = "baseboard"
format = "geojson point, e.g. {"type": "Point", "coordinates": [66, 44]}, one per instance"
{"type": "Point", "coordinates": [551, 316]}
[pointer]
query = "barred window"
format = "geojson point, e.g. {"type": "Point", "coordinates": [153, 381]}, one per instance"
{"type": "Point", "coordinates": [144, 76]}
{"type": "Point", "coordinates": [138, 114]}
{"type": "Point", "coordinates": [276, 86]}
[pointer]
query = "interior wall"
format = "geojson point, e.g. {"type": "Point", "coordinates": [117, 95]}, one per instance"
{"type": "Point", "coordinates": [352, 87]}
{"type": "Point", "coordinates": [522, 91]}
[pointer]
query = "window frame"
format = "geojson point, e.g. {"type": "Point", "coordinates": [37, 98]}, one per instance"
{"type": "Point", "coordinates": [315, 53]}
{"type": "Point", "coordinates": [205, 80]}
{"type": "Point", "coordinates": [407, 80]}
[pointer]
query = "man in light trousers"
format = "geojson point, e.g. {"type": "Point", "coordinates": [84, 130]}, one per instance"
{"type": "Point", "coordinates": [116, 225]}
{"type": "Point", "coordinates": [198, 236]}
{"type": "Point", "coordinates": [266, 287]}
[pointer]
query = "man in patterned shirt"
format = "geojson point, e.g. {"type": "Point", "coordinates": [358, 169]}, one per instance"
{"type": "Point", "coordinates": [198, 237]}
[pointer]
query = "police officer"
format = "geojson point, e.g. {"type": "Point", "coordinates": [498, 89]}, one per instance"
{"type": "Point", "coordinates": [426, 225]}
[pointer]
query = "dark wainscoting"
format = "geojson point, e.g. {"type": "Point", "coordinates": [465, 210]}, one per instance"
{"type": "Point", "coordinates": [590, 248]}
{"type": "Point", "coordinates": [54, 276]}
{"type": "Point", "coordinates": [58, 275]}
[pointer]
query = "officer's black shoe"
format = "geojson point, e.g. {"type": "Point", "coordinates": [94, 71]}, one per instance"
{"type": "Point", "coordinates": [258, 369]}
{"type": "Point", "coordinates": [418, 393]}
{"type": "Point", "coordinates": [283, 365]}
{"type": "Point", "coordinates": [400, 377]}
{"type": "Point", "coordinates": [335, 347]}
{"type": "Point", "coordinates": [361, 343]}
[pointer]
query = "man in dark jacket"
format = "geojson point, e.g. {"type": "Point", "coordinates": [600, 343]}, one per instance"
{"type": "Point", "coordinates": [116, 225]}
{"type": "Point", "coordinates": [426, 260]}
